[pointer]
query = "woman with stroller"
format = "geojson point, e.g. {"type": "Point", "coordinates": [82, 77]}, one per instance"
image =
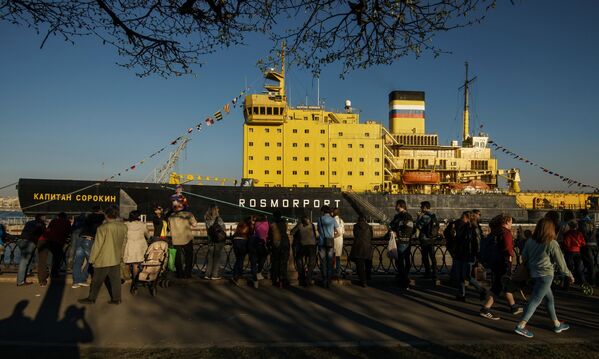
{"type": "Point", "coordinates": [136, 243]}
{"type": "Point", "coordinates": [539, 255]}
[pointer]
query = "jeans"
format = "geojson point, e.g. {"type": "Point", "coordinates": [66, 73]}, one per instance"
{"type": "Point", "coordinates": [463, 271]}
{"type": "Point", "coordinates": [216, 254]}
{"type": "Point", "coordinates": [305, 260]}
{"type": "Point", "coordinates": [27, 249]}
{"type": "Point", "coordinates": [258, 254]}
{"type": "Point", "coordinates": [12, 249]}
{"type": "Point", "coordinates": [574, 263]}
{"type": "Point", "coordinates": [278, 266]}
{"type": "Point", "coordinates": [184, 254]}
{"type": "Point", "coordinates": [326, 262]}
{"type": "Point", "coordinates": [403, 264]}
{"type": "Point", "coordinates": [43, 249]}
{"type": "Point", "coordinates": [83, 248]}
{"type": "Point", "coordinates": [241, 249]}
{"type": "Point", "coordinates": [114, 276]}
{"type": "Point", "coordinates": [428, 252]}
{"type": "Point", "coordinates": [540, 292]}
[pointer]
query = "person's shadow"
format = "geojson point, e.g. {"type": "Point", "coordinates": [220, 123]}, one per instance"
{"type": "Point", "coordinates": [21, 336]}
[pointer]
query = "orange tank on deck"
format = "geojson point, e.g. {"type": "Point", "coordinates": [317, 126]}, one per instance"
{"type": "Point", "coordinates": [421, 178]}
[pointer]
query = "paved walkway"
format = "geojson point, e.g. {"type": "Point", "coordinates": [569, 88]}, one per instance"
{"type": "Point", "coordinates": [204, 314]}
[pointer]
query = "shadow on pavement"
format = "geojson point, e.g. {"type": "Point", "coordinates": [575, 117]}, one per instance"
{"type": "Point", "coordinates": [25, 337]}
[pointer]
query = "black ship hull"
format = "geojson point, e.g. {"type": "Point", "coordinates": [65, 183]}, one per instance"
{"type": "Point", "coordinates": [74, 197]}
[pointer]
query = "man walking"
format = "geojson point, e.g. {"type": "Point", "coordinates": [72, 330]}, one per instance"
{"type": "Point", "coordinates": [428, 227]}
{"type": "Point", "coordinates": [403, 226]}
{"type": "Point", "coordinates": [106, 255]}
{"type": "Point", "coordinates": [327, 229]}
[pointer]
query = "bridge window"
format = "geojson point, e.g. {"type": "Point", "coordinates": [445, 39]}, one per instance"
{"type": "Point", "coordinates": [275, 111]}
{"type": "Point", "coordinates": [263, 110]}
{"type": "Point", "coordinates": [256, 111]}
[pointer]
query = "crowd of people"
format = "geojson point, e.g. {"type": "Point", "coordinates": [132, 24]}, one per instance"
{"type": "Point", "coordinates": [103, 245]}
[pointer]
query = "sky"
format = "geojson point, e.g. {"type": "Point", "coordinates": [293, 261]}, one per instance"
{"type": "Point", "coordinates": [69, 112]}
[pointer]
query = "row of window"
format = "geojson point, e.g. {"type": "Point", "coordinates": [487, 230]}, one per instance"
{"type": "Point", "coordinates": [262, 110]}
{"type": "Point", "coordinates": [322, 145]}
{"type": "Point", "coordinates": [322, 159]}
{"type": "Point", "coordinates": [295, 130]}
{"type": "Point", "coordinates": [322, 173]}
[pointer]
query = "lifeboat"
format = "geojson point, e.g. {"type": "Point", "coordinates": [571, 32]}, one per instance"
{"type": "Point", "coordinates": [415, 177]}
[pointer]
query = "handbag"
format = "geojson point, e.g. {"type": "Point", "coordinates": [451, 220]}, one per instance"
{"type": "Point", "coordinates": [326, 242]}
{"type": "Point", "coordinates": [521, 274]}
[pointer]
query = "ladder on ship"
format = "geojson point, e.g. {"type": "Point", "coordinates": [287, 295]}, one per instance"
{"type": "Point", "coordinates": [362, 206]}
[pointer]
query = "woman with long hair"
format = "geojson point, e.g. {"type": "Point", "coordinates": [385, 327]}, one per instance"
{"type": "Point", "coordinates": [135, 244]}
{"type": "Point", "coordinates": [539, 255]}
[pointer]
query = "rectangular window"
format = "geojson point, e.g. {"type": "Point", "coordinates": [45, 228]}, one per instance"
{"type": "Point", "coordinates": [305, 118]}
{"type": "Point", "coordinates": [306, 131]}
{"type": "Point", "coordinates": [334, 159]}
{"type": "Point", "coordinates": [361, 145]}
{"type": "Point", "coordinates": [321, 159]}
{"type": "Point", "coordinates": [349, 173]}
{"type": "Point", "coordinates": [278, 158]}
{"type": "Point", "coordinates": [306, 172]}
{"type": "Point", "coordinates": [306, 159]}
{"type": "Point", "coordinates": [251, 172]}
{"type": "Point", "coordinates": [256, 111]}
{"type": "Point", "coordinates": [367, 134]}
{"type": "Point", "coordinates": [294, 144]}
{"type": "Point", "coordinates": [349, 145]}
{"type": "Point", "coordinates": [377, 146]}
{"type": "Point", "coordinates": [250, 158]}
{"type": "Point", "coordinates": [322, 132]}
{"type": "Point", "coordinates": [322, 145]}
{"type": "Point", "coordinates": [349, 159]}
{"type": "Point", "coordinates": [267, 130]}
{"type": "Point", "coordinates": [361, 173]}
{"type": "Point", "coordinates": [361, 159]}
{"type": "Point", "coordinates": [334, 173]}
{"type": "Point", "coordinates": [294, 158]}
{"type": "Point", "coordinates": [340, 134]}
{"type": "Point", "coordinates": [266, 172]}
{"type": "Point", "coordinates": [377, 173]}
{"type": "Point", "coordinates": [278, 172]}
{"type": "Point", "coordinates": [263, 110]}
{"type": "Point", "coordinates": [269, 110]}
{"type": "Point", "coordinates": [250, 144]}
{"type": "Point", "coordinates": [279, 144]}
{"type": "Point", "coordinates": [266, 144]}
{"type": "Point", "coordinates": [250, 129]}
{"type": "Point", "coordinates": [322, 173]}
{"type": "Point", "coordinates": [306, 145]}
{"type": "Point", "coordinates": [377, 159]}
{"type": "Point", "coordinates": [266, 158]}
{"type": "Point", "coordinates": [294, 130]}
{"type": "Point", "coordinates": [294, 172]}
{"type": "Point", "coordinates": [334, 145]}
{"type": "Point", "coordinates": [279, 130]}
{"type": "Point", "coordinates": [275, 111]}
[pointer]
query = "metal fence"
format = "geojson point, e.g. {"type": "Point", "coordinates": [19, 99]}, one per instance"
{"type": "Point", "coordinates": [381, 263]}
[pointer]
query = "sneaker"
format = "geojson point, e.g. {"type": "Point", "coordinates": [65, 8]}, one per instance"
{"type": "Point", "coordinates": [24, 284]}
{"type": "Point", "coordinates": [523, 332]}
{"type": "Point", "coordinates": [560, 328]}
{"type": "Point", "coordinates": [83, 284]}
{"type": "Point", "coordinates": [216, 278]}
{"type": "Point", "coordinates": [516, 309]}
{"type": "Point", "coordinates": [76, 285]}
{"type": "Point", "coordinates": [259, 276]}
{"type": "Point", "coordinates": [488, 315]}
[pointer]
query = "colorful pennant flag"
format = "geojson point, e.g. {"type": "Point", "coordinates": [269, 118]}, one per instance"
{"type": "Point", "coordinates": [218, 115]}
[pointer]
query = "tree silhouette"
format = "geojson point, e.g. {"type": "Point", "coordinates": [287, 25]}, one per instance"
{"type": "Point", "coordinates": [167, 37]}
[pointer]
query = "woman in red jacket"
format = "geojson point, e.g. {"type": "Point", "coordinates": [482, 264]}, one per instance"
{"type": "Point", "coordinates": [573, 241]}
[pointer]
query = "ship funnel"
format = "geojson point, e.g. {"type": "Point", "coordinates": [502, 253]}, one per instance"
{"type": "Point", "coordinates": [406, 112]}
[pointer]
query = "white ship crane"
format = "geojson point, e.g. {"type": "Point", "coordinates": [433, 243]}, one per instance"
{"type": "Point", "coordinates": [161, 174]}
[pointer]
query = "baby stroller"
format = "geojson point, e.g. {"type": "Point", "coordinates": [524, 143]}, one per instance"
{"type": "Point", "coordinates": [153, 268]}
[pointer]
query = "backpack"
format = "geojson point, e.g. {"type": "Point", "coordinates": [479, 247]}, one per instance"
{"type": "Point", "coordinates": [489, 250]}
{"type": "Point", "coordinates": [216, 232]}
{"type": "Point", "coordinates": [432, 228]}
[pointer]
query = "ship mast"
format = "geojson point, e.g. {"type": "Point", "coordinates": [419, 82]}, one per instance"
{"type": "Point", "coordinates": [467, 82]}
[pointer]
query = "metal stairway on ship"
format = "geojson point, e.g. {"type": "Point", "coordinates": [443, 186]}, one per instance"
{"type": "Point", "coordinates": [363, 207]}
